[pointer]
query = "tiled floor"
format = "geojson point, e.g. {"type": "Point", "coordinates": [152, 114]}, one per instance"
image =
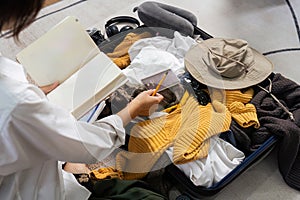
{"type": "Point", "coordinates": [270, 26]}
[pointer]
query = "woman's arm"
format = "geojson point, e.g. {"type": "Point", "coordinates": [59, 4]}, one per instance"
{"type": "Point", "coordinates": [40, 131]}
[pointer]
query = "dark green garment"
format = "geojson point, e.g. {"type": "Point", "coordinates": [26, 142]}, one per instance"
{"type": "Point", "coordinates": [116, 189]}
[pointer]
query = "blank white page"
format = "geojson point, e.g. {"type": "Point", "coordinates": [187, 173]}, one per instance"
{"type": "Point", "coordinates": [57, 54]}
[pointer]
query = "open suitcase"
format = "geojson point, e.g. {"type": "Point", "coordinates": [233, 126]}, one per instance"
{"type": "Point", "coordinates": [184, 187]}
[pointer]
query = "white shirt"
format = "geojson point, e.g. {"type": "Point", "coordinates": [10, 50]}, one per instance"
{"type": "Point", "coordinates": [35, 134]}
{"type": "Point", "coordinates": [222, 158]}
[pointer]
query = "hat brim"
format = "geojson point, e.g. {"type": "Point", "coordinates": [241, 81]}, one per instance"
{"type": "Point", "coordinates": [259, 71]}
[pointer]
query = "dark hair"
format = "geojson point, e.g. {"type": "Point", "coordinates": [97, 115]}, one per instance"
{"type": "Point", "coordinates": [20, 13]}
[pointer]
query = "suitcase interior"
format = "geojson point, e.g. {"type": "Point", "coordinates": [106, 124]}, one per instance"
{"type": "Point", "coordinates": [174, 175]}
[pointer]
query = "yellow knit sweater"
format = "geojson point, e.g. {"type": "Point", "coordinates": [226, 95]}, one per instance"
{"type": "Point", "coordinates": [188, 129]}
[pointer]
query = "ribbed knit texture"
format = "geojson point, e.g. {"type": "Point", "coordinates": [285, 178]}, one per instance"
{"type": "Point", "coordinates": [244, 115]}
{"type": "Point", "coordinates": [105, 173]}
{"type": "Point", "coordinates": [148, 140]}
{"type": "Point", "coordinates": [239, 96]}
{"type": "Point", "coordinates": [189, 128]}
{"type": "Point", "coordinates": [135, 166]}
{"type": "Point", "coordinates": [227, 97]}
{"type": "Point", "coordinates": [120, 54]}
{"type": "Point", "coordinates": [237, 101]}
{"type": "Point", "coordinates": [200, 123]}
{"type": "Point", "coordinates": [153, 135]}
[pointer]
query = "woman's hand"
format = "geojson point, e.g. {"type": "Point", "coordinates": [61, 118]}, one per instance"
{"type": "Point", "coordinates": [142, 105]}
{"type": "Point", "coordinates": [48, 88]}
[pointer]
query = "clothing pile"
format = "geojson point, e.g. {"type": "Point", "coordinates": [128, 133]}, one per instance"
{"type": "Point", "coordinates": [245, 98]}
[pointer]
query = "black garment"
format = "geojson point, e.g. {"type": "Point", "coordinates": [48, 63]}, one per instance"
{"type": "Point", "coordinates": [249, 139]}
{"type": "Point", "coordinates": [116, 189]}
{"type": "Point", "coordinates": [241, 136]}
{"type": "Point", "coordinates": [274, 119]}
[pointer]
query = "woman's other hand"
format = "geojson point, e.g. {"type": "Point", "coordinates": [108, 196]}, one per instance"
{"type": "Point", "coordinates": [48, 88]}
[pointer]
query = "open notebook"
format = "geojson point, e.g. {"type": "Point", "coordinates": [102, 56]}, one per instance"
{"type": "Point", "coordinates": [66, 53]}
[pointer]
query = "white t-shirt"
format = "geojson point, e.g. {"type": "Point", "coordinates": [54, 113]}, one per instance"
{"type": "Point", "coordinates": [36, 135]}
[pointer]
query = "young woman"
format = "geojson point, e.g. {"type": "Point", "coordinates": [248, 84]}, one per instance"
{"type": "Point", "coordinates": [35, 134]}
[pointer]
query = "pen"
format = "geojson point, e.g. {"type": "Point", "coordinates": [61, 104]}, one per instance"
{"type": "Point", "coordinates": [160, 82]}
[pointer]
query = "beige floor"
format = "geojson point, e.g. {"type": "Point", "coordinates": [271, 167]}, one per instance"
{"type": "Point", "coordinates": [271, 26]}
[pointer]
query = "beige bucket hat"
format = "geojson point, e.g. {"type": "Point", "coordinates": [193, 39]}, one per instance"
{"type": "Point", "coordinates": [227, 64]}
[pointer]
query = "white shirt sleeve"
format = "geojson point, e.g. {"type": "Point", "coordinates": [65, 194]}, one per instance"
{"type": "Point", "coordinates": [38, 130]}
